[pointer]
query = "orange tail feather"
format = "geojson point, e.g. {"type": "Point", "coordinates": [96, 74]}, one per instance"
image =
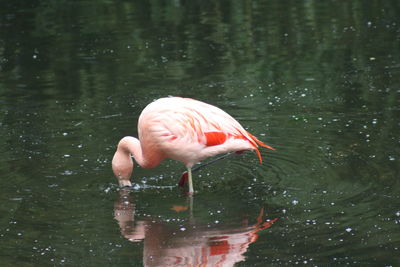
{"type": "Point", "coordinates": [259, 155]}
{"type": "Point", "coordinates": [261, 144]}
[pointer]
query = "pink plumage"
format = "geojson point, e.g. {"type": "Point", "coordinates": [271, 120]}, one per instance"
{"type": "Point", "coordinates": [182, 129]}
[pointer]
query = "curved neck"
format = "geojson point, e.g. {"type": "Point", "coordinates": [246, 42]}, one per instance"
{"type": "Point", "coordinates": [122, 163]}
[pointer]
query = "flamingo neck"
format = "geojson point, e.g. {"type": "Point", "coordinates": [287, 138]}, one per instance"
{"type": "Point", "coordinates": [122, 163]}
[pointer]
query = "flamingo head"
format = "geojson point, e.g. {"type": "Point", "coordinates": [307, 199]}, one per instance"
{"type": "Point", "coordinates": [122, 165]}
{"type": "Point", "coordinates": [122, 174]}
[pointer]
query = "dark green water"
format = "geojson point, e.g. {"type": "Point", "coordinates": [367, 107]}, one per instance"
{"type": "Point", "coordinates": [318, 80]}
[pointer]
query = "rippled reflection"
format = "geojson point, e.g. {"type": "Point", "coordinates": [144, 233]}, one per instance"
{"type": "Point", "coordinates": [187, 244]}
{"type": "Point", "coordinates": [318, 80]}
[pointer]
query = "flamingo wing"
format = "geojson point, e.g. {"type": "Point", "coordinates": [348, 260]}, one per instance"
{"type": "Point", "coordinates": [218, 127]}
{"type": "Point", "coordinates": [189, 130]}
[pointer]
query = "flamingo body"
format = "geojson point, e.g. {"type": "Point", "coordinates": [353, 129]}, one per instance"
{"type": "Point", "coordinates": [182, 129]}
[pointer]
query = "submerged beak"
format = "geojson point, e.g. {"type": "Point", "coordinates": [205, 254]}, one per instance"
{"type": "Point", "coordinates": [123, 182]}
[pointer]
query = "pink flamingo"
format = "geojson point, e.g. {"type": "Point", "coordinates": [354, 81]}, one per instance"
{"type": "Point", "coordinates": [182, 129]}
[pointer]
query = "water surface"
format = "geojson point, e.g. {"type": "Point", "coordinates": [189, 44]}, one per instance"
{"type": "Point", "coordinates": [319, 81]}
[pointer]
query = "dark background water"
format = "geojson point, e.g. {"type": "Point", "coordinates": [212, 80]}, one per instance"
{"type": "Point", "coordinates": [318, 80]}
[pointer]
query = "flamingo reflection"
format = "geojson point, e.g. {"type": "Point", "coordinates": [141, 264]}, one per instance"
{"type": "Point", "coordinates": [191, 245]}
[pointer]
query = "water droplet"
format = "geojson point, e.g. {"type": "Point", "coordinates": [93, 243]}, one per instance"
{"type": "Point", "coordinates": [164, 59]}
{"type": "Point", "coordinates": [67, 172]}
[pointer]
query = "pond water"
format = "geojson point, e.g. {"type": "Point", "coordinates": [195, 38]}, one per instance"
{"type": "Point", "coordinates": [317, 80]}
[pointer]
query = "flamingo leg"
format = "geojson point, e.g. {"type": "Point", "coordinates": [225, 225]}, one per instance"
{"type": "Point", "coordinates": [190, 180]}
{"type": "Point", "coordinates": [184, 176]}
{"type": "Point", "coordinates": [214, 161]}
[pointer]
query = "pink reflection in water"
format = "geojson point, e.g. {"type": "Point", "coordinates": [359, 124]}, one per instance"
{"type": "Point", "coordinates": [189, 245]}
